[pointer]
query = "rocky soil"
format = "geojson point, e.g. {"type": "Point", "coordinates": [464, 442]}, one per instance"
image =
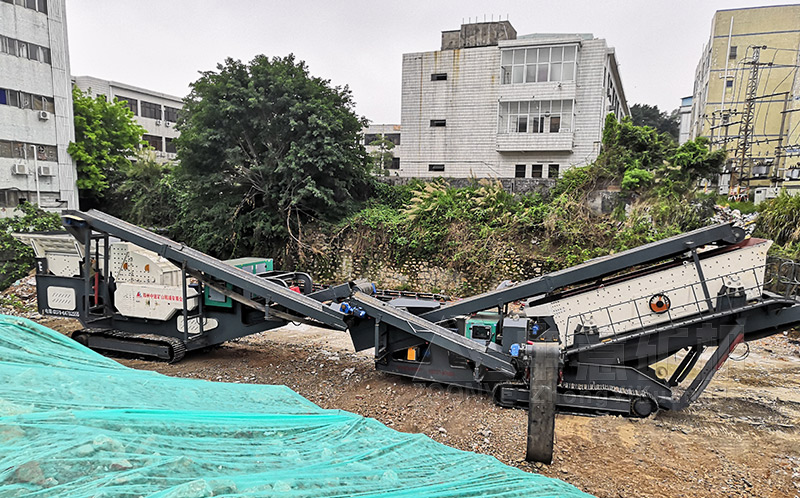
{"type": "Point", "coordinates": [741, 438]}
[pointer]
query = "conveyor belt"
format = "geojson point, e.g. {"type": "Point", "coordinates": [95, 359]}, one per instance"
{"type": "Point", "coordinates": [591, 270]}
{"type": "Point", "coordinates": [419, 327]}
{"type": "Point", "coordinates": [196, 260]}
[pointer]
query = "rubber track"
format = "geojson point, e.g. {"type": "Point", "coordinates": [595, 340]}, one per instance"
{"type": "Point", "coordinates": [176, 346]}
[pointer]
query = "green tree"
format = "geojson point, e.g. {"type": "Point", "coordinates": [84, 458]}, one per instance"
{"type": "Point", "coordinates": [265, 148]}
{"type": "Point", "coordinates": [652, 116]}
{"type": "Point", "coordinates": [381, 157]}
{"type": "Point", "coordinates": [149, 195]}
{"type": "Point", "coordinates": [106, 137]}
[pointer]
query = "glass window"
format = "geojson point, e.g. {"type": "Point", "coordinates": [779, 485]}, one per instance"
{"type": "Point", "coordinates": [42, 6]}
{"type": "Point", "coordinates": [170, 114]}
{"type": "Point", "coordinates": [439, 77]}
{"type": "Point", "coordinates": [169, 145]}
{"type": "Point", "coordinates": [153, 141]}
{"type": "Point", "coordinates": [732, 52]}
{"type": "Point", "coordinates": [552, 171]}
{"type": "Point", "coordinates": [25, 100]}
{"type": "Point", "coordinates": [132, 104]}
{"type": "Point", "coordinates": [5, 148]}
{"type": "Point", "coordinates": [151, 110]}
{"type": "Point", "coordinates": [522, 124]}
{"type": "Point", "coordinates": [49, 105]}
{"type": "Point", "coordinates": [536, 171]}
{"type": "Point", "coordinates": [31, 4]}
{"type": "Point", "coordinates": [38, 103]}
{"type": "Point", "coordinates": [22, 50]}
{"type": "Point", "coordinates": [555, 124]}
{"type": "Point", "coordinates": [3, 96]}
{"type": "Point", "coordinates": [45, 55]}
{"type": "Point", "coordinates": [436, 167]}
{"type": "Point", "coordinates": [395, 163]}
{"type": "Point", "coordinates": [519, 171]}
{"type": "Point", "coordinates": [13, 97]}
{"type": "Point", "coordinates": [438, 123]}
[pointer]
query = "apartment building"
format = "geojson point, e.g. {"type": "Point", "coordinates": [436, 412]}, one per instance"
{"type": "Point", "coordinates": [747, 94]}
{"type": "Point", "coordinates": [157, 112]}
{"type": "Point", "coordinates": [36, 119]}
{"type": "Point", "coordinates": [491, 103]}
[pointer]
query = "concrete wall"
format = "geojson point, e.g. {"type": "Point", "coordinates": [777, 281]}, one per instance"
{"type": "Point", "coordinates": [26, 125]}
{"type": "Point", "coordinates": [469, 101]}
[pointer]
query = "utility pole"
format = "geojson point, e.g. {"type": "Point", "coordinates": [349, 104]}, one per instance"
{"type": "Point", "coordinates": [743, 149]}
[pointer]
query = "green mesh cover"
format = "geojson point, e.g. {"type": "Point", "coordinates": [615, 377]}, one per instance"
{"type": "Point", "coordinates": [76, 424]}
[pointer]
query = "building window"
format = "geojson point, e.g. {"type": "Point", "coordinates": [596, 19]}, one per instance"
{"type": "Point", "coordinates": [169, 145]}
{"type": "Point", "coordinates": [372, 137]}
{"type": "Point", "coordinates": [25, 50]}
{"type": "Point", "coordinates": [439, 77]}
{"type": "Point", "coordinates": [132, 104]}
{"type": "Point", "coordinates": [21, 150]}
{"type": "Point", "coordinates": [151, 110]}
{"type": "Point", "coordinates": [536, 171]}
{"type": "Point", "coordinates": [395, 163]}
{"type": "Point", "coordinates": [732, 52]}
{"type": "Point", "coordinates": [40, 5]}
{"type": "Point", "coordinates": [729, 83]}
{"type": "Point", "coordinates": [547, 116]}
{"type": "Point", "coordinates": [552, 171]}
{"type": "Point", "coordinates": [436, 167]}
{"type": "Point", "coordinates": [438, 123]}
{"type": "Point", "coordinates": [519, 171]}
{"type": "Point", "coordinates": [153, 141]}
{"type": "Point", "coordinates": [170, 114]}
{"type": "Point", "coordinates": [536, 65]}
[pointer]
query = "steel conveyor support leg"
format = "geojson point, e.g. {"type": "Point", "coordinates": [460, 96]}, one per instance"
{"type": "Point", "coordinates": [543, 366]}
{"type": "Point", "coordinates": [724, 348]}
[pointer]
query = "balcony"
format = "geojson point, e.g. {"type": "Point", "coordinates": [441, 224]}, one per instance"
{"type": "Point", "coordinates": [535, 142]}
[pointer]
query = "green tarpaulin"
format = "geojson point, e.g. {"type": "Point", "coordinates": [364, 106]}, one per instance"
{"type": "Point", "coordinates": [76, 424]}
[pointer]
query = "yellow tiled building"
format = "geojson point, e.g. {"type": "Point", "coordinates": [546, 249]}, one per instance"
{"type": "Point", "coordinates": [753, 113]}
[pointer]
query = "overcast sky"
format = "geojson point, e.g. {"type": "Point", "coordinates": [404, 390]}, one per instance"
{"type": "Point", "coordinates": [161, 45]}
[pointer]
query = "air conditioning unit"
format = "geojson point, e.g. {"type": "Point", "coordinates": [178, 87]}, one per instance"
{"type": "Point", "coordinates": [167, 124]}
{"type": "Point", "coordinates": [19, 169]}
{"type": "Point", "coordinates": [44, 115]}
{"type": "Point", "coordinates": [46, 171]}
{"type": "Point", "coordinates": [158, 122]}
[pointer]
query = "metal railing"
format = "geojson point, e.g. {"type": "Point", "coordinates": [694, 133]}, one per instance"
{"type": "Point", "coordinates": [785, 276]}
{"type": "Point", "coordinates": [698, 304]}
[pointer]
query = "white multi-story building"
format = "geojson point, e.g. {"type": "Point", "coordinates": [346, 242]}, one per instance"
{"type": "Point", "coordinates": [494, 104]}
{"type": "Point", "coordinates": [389, 132]}
{"type": "Point", "coordinates": [36, 120]}
{"type": "Point", "coordinates": [685, 114]}
{"type": "Point", "coordinates": [157, 112]}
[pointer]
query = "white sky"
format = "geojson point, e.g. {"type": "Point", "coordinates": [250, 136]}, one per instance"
{"type": "Point", "coordinates": [161, 45]}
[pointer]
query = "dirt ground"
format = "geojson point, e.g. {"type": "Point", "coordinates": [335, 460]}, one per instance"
{"type": "Point", "coordinates": [741, 438]}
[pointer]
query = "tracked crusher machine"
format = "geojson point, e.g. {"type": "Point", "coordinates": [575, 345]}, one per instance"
{"type": "Point", "coordinates": [589, 339]}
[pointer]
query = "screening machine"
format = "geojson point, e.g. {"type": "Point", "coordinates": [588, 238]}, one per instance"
{"type": "Point", "coordinates": [587, 339]}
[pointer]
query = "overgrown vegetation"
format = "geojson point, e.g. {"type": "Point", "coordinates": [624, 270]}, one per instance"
{"type": "Point", "coordinates": [487, 233]}
{"type": "Point", "coordinates": [16, 258]}
{"type": "Point", "coordinates": [779, 220]}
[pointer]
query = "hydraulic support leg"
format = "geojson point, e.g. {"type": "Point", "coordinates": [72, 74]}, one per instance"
{"type": "Point", "coordinates": [543, 364]}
